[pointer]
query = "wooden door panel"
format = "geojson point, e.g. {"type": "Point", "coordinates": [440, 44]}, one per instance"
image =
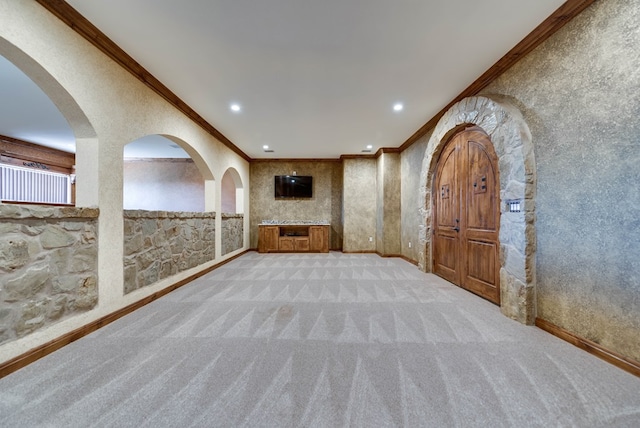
{"type": "Point", "coordinates": [446, 259]}
{"type": "Point", "coordinates": [446, 254]}
{"type": "Point", "coordinates": [480, 189]}
{"type": "Point", "coordinates": [447, 191]}
{"type": "Point", "coordinates": [446, 239]}
{"type": "Point", "coordinates": [481, 260]}
{"type": "Point", "coordinates": [484, 290]}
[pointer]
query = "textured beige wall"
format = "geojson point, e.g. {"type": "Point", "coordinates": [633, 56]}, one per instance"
{"type": "Point", "coordinates": [360, 205]}
{"type": "Point", "coordinates": [579, 93]}
{"type": "Point", "coordinates": [388, 201]}
{"type": "Point", "coordinates": [379, 238]}
{"type": "Point", "coordinates": [337, 220]}
{"type": "Point", "coordinates": [107, 108]}
{"type": "Point", "coordinates": [322, 207]}
{"type": "Point", "coordinates": [164, 185]}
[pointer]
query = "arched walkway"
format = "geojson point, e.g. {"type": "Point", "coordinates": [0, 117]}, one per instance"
{"type": "Point", "coordinates": [511, 138]}
{"type": "Point", "coordinates": [85, 134]}
{"type": "Point", "coordinates": [232, 216]}
{"type": "Point", "coordinates": [169, 230]}
{"type": "Point", "coordinates": [159, 174]}
{"type": "Point", "coordinates": [232, 192]}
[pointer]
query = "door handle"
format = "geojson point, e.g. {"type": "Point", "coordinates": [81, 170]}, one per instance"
{"type": "Point", "coordinates": [457, 229]}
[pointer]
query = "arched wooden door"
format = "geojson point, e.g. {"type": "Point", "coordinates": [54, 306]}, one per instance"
{"type": "Point", "coordinates": [466, 217]}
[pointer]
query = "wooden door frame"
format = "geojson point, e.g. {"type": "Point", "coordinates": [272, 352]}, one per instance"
{"type": "Point", "coordinates": [512, 142]}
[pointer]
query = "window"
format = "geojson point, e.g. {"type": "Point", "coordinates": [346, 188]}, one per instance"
{"type": "Point", "coordinates": [19, 184]}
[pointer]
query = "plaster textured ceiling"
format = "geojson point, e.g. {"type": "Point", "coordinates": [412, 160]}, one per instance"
{"type": "Point", "coordinates": [316, 79]}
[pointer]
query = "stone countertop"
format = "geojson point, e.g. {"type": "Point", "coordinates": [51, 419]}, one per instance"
{"type": "Point", "coordinates": [294, 223]}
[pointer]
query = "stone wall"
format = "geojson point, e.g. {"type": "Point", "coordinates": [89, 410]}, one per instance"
{"type": "Point", "coordinates": [158, 244]}
{"type": "Point", "coordinates": [411, 198]}
{"type": "Point", "coordinates": [48, 264]}
{"type": "Point", "coordinates": [232, 232]}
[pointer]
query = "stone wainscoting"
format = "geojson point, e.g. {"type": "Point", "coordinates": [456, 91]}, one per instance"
{"type": "Point", "coordinates": [232, 232]}
{"type": "Point", "coordinates": [158, 244]}
{"type": "Point", "coordinates": [48, 266]}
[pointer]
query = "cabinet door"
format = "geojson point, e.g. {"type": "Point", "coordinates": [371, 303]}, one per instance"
{"type": "Point", "coordinates": [319, 239]}
{"type": "Point", "coordinates": [286, 244]}
{"type": "Point", "coordinates": [301, 244]}
{"type": "Point", "coordinates": [268, 239]}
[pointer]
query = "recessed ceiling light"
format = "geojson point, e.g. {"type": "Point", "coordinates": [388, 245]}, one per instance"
{"type": "Point", "coordinates": [265, 147]}
{"type": "Point", "coordinates": [398, 107]}
{"type": "Point", "coordinates": [369, 147]}
{"type": "Point", "coordinates": [235, 107]}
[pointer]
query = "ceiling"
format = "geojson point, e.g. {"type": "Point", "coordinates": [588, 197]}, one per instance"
{"type": "Point", "coordinates": [313, 79]}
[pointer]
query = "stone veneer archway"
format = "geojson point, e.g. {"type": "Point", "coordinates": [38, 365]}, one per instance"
{"type": "Point", "coordinates": [511, 139]}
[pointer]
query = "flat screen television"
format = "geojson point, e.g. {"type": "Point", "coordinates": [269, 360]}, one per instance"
{"type": "Point", "coordinates": [293, 186]}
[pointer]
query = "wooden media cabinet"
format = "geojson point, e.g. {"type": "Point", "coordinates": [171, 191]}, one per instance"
{"type": "Point", "coordinates": [293, 238]}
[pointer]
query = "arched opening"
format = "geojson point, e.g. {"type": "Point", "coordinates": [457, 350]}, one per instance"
{"type": "Point", "coordinates": [511, 139]}
{"type": "Point", "coordinates": [43, 125]}
{"type": "Point", "coordinates": [160, 175]}
{"type": "Point", "coordinates": [232, 218]}
{"type": "Point", "coordinates": [167, 228]}
{"type": "Point", "coordinates": [37, 136]}
{"type": "Point", "coordinates": [232, 196]}
{"type": "Point", "coordinates": [56, 248]}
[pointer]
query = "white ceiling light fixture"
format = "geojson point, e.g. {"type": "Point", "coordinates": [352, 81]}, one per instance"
{"type": "Point", "coordinates": [267, 149]}
{"type": "Point", "coordinates": [235, 108]}
{"type": "Point", "coordinates": [398, 107]}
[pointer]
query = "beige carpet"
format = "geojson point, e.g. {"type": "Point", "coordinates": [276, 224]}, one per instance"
{"type": "Point", "coordinates": [322, 340]}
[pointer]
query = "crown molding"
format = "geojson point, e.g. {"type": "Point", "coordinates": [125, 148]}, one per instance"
{"type": "Point", "coordinates": [91, 33]}
{"type": "Point", "coordinates": [297, 160]}
{"type": "Point", "coordinates": [565, 13]}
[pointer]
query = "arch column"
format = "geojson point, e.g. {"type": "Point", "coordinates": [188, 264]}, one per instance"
{"type": "Point", "coordinates": [87, 172]}
{"type": "Point", "coordinates": [511, 139]}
